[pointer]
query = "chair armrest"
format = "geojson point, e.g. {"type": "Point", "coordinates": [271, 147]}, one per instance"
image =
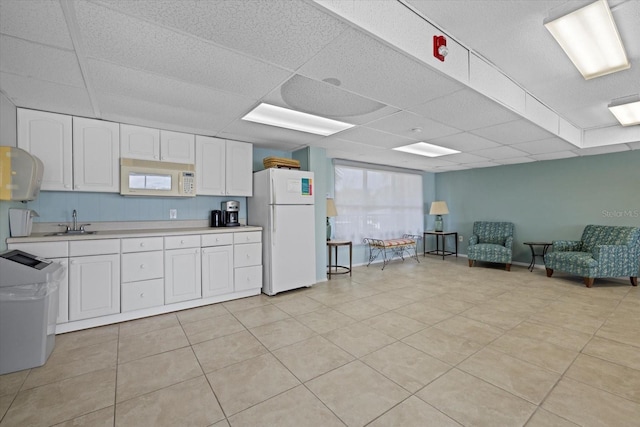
{"type": "Point", "coordinates": [415, 237]}
{"type": "Point", "coordinates": [473, 240]}
{"type": "Point", "coordinates": [618, 252]}
{"type": "Point", "coordinates": [508, 243]}
{"type": "Point", "coordinates": [567, 245]}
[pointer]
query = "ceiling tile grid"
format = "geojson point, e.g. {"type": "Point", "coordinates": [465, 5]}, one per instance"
{"type": "Point", "coordinates": [283, 32]}
{"type": "Point", "coordinates": [108, 35]}
{"type": "Point", "coordinates": [40, 21]}
{"type": "Point", "coordinates": [40, 62]}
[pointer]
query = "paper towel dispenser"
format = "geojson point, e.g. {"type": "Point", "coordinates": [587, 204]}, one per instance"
{"type": "Point", "coordinates": [20, 174]}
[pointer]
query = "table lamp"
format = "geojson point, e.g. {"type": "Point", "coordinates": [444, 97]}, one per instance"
{"type": "Point", "coordinates": [438, 209]}
{"type": "Point", "coordinates": [331, 211]}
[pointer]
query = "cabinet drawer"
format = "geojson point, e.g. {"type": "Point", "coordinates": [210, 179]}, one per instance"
{"type": "Point", "coordinates": [217, 239]}
{"type": "Point", "coordinates": [247, 278]}
{"type": "Point", "coordinates": [94, 247]}
{"type": "Point", "coordinates": [142, 266]}
{"type": "Point", "coordinates": [246, 255]}
{"type": "Point", "coordinates": [142, 244]}
{"type": "Point", "coordinates": [44, 249]}
{"type": "Point", "coordinates": [247, 237]}
{"type": "Point", "coordinates": [180, 242]}
{"type": "Point", "coordinates": [138, 295]}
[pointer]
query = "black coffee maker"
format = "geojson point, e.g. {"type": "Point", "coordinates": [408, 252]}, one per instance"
{"type": "Point", "coordinates": [230, 210]}
{"type": "Point", "coordinates": [216, 219]}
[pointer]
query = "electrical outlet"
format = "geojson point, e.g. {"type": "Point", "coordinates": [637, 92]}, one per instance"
{"type": "Point", "coordinates": [173, 213]}
{"type": "Point", "coordinates": [460, 239]}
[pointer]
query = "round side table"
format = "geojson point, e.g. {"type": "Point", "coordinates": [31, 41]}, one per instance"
{"type": "Point", "coordinates": [338, 269]}
{"type": "Point", "coordinates": [534, 254]}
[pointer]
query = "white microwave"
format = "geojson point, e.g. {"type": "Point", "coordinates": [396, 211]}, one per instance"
{"type": "Point", "coordinates": [152, 178]}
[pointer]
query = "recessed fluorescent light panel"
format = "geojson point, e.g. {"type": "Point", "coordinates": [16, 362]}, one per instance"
{"type": "Point", "coordinates": [425, 149]}
{"type": "Point", "coordinates": [627, 110]}
{"type": "Point", "coordinates": [590, 38]}
{"type": "Point", "coordinates": [272, 115]}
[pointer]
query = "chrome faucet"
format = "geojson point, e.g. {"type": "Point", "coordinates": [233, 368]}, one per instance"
{"type": "Point", "coordinates": [75, 229]}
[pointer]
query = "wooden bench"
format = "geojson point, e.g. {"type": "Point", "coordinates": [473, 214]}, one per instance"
{"type": "Point", "coordinates": [390, 248]}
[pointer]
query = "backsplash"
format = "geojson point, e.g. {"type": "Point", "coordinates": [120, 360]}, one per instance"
{"type": "Point", "coordinates": [57, 206]}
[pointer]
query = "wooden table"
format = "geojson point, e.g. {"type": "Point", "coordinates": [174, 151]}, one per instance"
{"type": "Point", "coordinates": [343, 269]}
{"type": "Point", "coordinates": [440, 235]}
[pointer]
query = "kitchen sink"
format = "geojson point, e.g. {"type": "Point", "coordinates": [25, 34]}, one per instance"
{"type": "Point", "coordinates": [71, 233]}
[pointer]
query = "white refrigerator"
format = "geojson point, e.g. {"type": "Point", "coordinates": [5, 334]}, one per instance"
{"type": "Point", "coordinates": [283, 204]}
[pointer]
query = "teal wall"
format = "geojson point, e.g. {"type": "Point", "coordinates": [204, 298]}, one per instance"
{"type": "Point", "coordinates": [547, 200]}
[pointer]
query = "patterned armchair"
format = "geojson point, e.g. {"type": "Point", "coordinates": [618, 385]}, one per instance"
{"type": "Point", "coordinates": [603, 251]}
{"type": "Point", "coordinates": [491, 242]}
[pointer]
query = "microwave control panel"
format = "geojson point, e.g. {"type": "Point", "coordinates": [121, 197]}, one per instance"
{"type": "Point", "coordinates": [188, 183]}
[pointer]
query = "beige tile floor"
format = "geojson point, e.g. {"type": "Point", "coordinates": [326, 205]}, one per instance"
{"type": "Point", "coordinates": [429, 344]}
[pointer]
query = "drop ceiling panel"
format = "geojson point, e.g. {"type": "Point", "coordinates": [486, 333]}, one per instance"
{"type": "Point", "coordinates": [464, 158]}
{"type": "Point", "coordinates": [223, 107]}
{"type": "Point", "coordinates": [515, 160]}
{"type": "Point", "coordinates": [282, 32]}
{"type": "Point", "coordinates": [108, 35]}
{"type": "Point", "coordinates": [265, 134]}
{"type": "Point", "coordinates": [465, 110]}
{"type": "Point", "coordinates": [554, 156]}
{"type": "Point", "coordinates": [123, 109]}
{"type": "Point", "coordinates": [634, 145]}
{"type": "Point", "coordinates": [500, 153]}
{"type": "Point", "coordinates": [544, 146]}
{"type": "Point", "coordinates": [40, 62]}
{"type": "Point", "coordinates": [40, 21]}
{"type": "Point", "coordinates": [464, 141]}
{"type": "Point", "coordinates": [376, 71]}
{"type": "Point", "coordinates": [404, 122]}
{"type": "Point", "coordinates": [376, 138]}
{"type": "Point", "coordinates": [334, 143]}
{"type": "Point", "coordinates": [601, 150]}
{"type": "Point", "coordinates": [513, 132]}
{"type": "Point", "coordinates": [41, 95]}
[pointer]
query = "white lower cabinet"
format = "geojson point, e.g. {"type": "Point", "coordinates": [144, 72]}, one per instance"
{"type": "Point", "coordinates": [217, 270]}
{"type": "Point", "coordinates": [247, 261]}
{"type": "Point", "coordinates": [94, 286]}
{"type": "Point", "coordinates": [142, 294]}
{"type": "Point", "coordinates": [182, 281]}
{"type": "Point", "coordinates": [115, 277]}
{"type": "Point", "coordinates": [142, 273]}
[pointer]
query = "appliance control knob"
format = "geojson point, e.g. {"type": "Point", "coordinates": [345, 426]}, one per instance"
{"type": "Point", "coordinates": [142, 267]}
{"type": "Point", "coordinates": [142, 244]}
{"type": "Point", "coordinates": [142, 295]}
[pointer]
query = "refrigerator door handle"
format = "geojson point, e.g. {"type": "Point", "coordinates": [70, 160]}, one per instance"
{"type": "Point", "coordinates": [273, 225]}
{"type": "Point", "coordinates": [273, 190]}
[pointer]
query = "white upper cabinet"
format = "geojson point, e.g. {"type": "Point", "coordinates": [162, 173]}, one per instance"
{"type": "Point", "coordinates": [177, 147]}
{"type": "Point", "coordinates": [239, 170]}
{"type": "Point", "coordinates": [48, 136]}
{"type": "Point", "coordinates": [223, 168]}
{"type": "Point", "coordinates": [96, 152]}
{"type": "Point", "coordinates": [137, 142]}
{"type": "Point", "coordinates": [210, 166]}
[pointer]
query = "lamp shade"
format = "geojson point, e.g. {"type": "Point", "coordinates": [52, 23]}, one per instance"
{"type": "Point", "coordinates": [331, 208]}
{"type": "Point", "coordinates": [439, 208]}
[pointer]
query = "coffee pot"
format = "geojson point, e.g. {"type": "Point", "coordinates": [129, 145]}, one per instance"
{"type": "Point", "coordinates": [230, 211]}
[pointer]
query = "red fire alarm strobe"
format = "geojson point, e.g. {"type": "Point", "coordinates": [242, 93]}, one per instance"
{"type": "Point", "coordinates": [440, 47]}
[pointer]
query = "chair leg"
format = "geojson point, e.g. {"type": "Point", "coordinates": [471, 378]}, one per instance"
{"type": "Point", "coordinates": [588, 281]}
{"type": "Point", "coordinates": [508, 267]}
{"type": "Point", "coordinates": [634, 281]}
{"type": "Point", "coordinates": [549, 272]}
{"type": "Point", "coordinates": [470, 263]}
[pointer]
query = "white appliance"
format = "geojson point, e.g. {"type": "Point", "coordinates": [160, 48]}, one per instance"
{"type": "Point", "coordinates": [283, 204]}
{"type": "Point", "coordinates": [21, 221]}
{"type": "Point", "coordinates": [153, 178]}
{"type": "Point", "coordinates": [20, 174]}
